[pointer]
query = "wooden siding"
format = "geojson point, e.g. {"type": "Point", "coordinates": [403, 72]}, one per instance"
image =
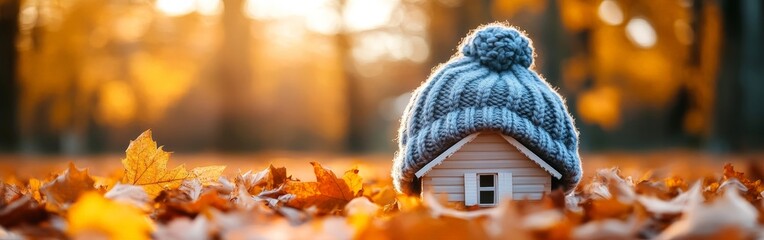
{"type": "Point", "coordinates": [488, 153]}
{"type": "Point", "coordinates": [459, 197]}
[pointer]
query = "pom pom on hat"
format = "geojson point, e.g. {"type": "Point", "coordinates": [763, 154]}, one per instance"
{"type": "Point", "coordinates": [498, 47]}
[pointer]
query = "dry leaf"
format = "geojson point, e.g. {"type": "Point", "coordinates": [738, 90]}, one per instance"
{"type": "Point", "coordinates": [34, 188]}
{"type": "Point", "coordinates": [675, 205]}
{"type": "Point", "coordinates": [192, 188]}
{"type": "Point", "coordinates": [353, 180]}
{"type": "Point", "coordinates": [730, 211]}
{"type": "Point", "coordinates": [185, 202]}
{"type": "Point", "coordinates": [146, 166]}
{"type": "Point", "coordinates": [200, 204]}
{"type": "Point", "coordinates": [184, 228]}
{"type": "Point", "coordinates": [67, 187]}
{"type": "Point", "coordinates": [9, 193]}
{"type": "Point", "coordinates": [207, 175]}
{"type": "Point", "coordinates": [606, 229]}
{"type": "Point", "coordinates": [327, 194]}
{"type": "Point", "coordinates": [129, 194]}
{"type": "Point", "coordinates": [24, 210]}
{"type": "Point", "coordinates": [267, 179]}
{"type": "Point", "coordinates": [753, 188]}
{"type": "Point", "coordinates": [5, 234]}
{"type": "Point", "coordinates": [95, 216]}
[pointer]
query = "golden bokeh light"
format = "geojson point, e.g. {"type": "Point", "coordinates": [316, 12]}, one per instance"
{"type": "Point", "coordinates": [641, 32]}
{"type": "Point", "coordinates": [610, 13]}
{"type": "Point", "coordinates": [601, 106]}
{"type": "Point", "coordinates": [317, 74]}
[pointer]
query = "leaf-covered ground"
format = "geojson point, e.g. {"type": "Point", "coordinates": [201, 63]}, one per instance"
{"type": "Point", "coordinates": [152, 196]}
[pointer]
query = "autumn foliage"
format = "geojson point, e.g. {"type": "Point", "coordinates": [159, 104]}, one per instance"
{"type": "Point", "coordinates": [153, 200]}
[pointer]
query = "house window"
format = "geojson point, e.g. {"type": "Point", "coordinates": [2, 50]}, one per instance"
{"type": "Point", "coordinates": [487, 189]}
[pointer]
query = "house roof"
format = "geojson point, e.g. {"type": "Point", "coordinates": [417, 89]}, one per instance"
{"type": "Point", "coordinates": [453, 149]}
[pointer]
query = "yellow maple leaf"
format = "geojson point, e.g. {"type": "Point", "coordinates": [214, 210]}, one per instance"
{"type": "Point", "coordinates": [93, 215]}
{"type": "Point", "coordinates": [146, 166]}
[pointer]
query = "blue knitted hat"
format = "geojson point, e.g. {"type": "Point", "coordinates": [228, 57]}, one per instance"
{"type": "Point", "coordinates": [488, 86]}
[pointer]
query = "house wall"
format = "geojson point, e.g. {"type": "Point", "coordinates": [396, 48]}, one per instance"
{"type": "Point", "coordinates": [488, 152]}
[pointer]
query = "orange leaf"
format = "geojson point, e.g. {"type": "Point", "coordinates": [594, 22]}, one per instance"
{"type": "Point", "coordinates": [327, 194]}
{"type": "Point", "coordinates": [267, 179]}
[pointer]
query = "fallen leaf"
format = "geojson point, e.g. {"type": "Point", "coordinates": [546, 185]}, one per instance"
{"type": "Point", "coordinates": [353, 180]}
{"type": "Point", "coordinates": [24, 210]}
{"type": "Point", "coordinates": [753, 188]}
{"type": "Point", "coordinates": [34, 188]}
{"type": "Point", "coordinates": [606, 229]}
{"type": "Point", "coordinates": [729, 211]}
{"type": "Point", "coordinates": [328, 193]}
{"type": "Point", "coordinates": [192, 188]}
{"type": "Point", "coordinates": [184, 228]}
{"type": "Point", "coordinates": [129, 194]}
{"type": "Point", "coordinates": [146, 166]}
{"type": "Point", "coordinates": [9, 193]}
{"type": "Point", "coordinates": [182, 202]}
{"type": "Point", "coordinates": [67, 187]}
{"type": "Point", "coordinates": [5, 234]}
{"type": "Point", "coordinates": [95, 216]}
{"type": "Point", "coordinates": [543, 219]}
{"type": "Point", "coordinates": [360, 212]}
{"type": "Point", "coordinates": [674, 206]}
{"type": "Point", "coordinates": [207, 175]}
{"type": "Point", "coordinates": [267, 179]}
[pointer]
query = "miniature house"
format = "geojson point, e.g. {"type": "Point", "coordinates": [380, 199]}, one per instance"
{"type": "Point", "coordinates": [487, 167]}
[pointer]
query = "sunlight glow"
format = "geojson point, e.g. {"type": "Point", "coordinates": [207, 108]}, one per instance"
{"type": "Point", "coordinates": [27, 18]}
{"type": "Point", "coordinates": [641, 32]}
{"type": "Point", "coordinates": [209, 7]}
{"type": "Point", "coordinates": [319, 16]}
{"type": "Point", "coordinates": [324, 20]}
{"type": "Point", "coordinates": [175, 7]}
{"type": "Point", "coordinates": [371, 47]}
{"type": "Point", "coordinates": [363, 15]}
{"type": "Point", "coordinates": [266, 9]}
{"type": "Point", "coordinates": [610, 12]}
{"type": "Point", "coordinates": [131, 24]}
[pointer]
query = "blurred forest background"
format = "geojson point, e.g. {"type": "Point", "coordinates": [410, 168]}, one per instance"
{"type": "Point", "coordinates": [86, 76]}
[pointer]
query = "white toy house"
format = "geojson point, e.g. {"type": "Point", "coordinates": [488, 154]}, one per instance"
{"type": "Point", "coordinates": [487, 167]}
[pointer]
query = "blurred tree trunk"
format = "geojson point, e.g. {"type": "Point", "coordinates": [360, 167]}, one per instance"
{"type": "Point", "coordinates": [9, 15]}
{"type": "Point", "coordinates": [738, 112]}
{"type": "Point", "coordinates": [553, 40]}
{"type": "Point", "coordinates": [355, 138]}
{"type": "Point", "coordinates": [449, 24]}
{"type": "Point", "coordinates": [235, 132]}
{"type": "Point", "coordinates": [355, 133]}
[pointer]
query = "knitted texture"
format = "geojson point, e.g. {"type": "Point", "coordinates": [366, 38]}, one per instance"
{"type": "Point", "coordinates": [488, 86]}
